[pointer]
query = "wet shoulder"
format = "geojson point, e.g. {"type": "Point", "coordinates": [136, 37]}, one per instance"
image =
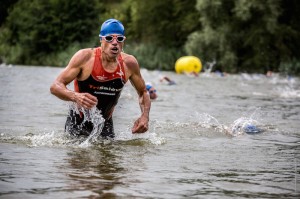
{"type": "Point", "coordinates": [84, 59]}
{"type": "Point", "coordinates": [130, 61]}
{"type": "Point", "coordinates": [131, 65]}
{"type": "Point", "coordinates": [85, 54]}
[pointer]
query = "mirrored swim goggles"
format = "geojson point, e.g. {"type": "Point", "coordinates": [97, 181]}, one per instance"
{"type": "Point", "coordinates": [110, 38]}
{"type": "Point", "coordinates": [152, 91]}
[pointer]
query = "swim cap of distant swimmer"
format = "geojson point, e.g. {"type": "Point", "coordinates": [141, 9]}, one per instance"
{"type": "Point", "coordinates": [148, 86]}
{"type": "Point", "coordinates": [251, 129]}
{"type": "Point", "coordinates": [112, 26]}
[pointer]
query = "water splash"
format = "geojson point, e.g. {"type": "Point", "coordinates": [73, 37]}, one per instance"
{"type": "Point", "coordinates": [61, 139]}
{"type": "Point", "coordinates": [246, 124]}
{"type": "Point", "coordinates": [209, 67]}
{"type": "Point", "coordinates": [288, 92]}
{"type": "Point", "coordinates": [206, 120]}
{"type": "Point", "coordinates": [93, 115]}
{"type": "Point", "coordinates": [150, 136]}
{"type": "Point", "coordinates": [242, 125]}
{"type": "Point", "coordinates": [51, 138]}
{"type": "Point", "coordinates": [45, 138]}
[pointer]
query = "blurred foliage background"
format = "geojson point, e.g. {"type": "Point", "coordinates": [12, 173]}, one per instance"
{"type": "Point", "coordinates": [251, 36]}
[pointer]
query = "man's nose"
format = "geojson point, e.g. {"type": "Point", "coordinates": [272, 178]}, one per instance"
{"type": "Point", "coordinates": [114, 41]}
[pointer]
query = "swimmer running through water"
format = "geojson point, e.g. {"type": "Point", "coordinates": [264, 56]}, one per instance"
{"type": "Point", "coordinates": [99, 76]}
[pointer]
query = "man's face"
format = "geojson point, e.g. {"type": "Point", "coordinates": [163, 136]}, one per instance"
{"type": "Point", "coordinates": [112, 45]}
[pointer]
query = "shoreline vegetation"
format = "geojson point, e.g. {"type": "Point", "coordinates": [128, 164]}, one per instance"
{"type": "Point", "coordinates": [238, 36]}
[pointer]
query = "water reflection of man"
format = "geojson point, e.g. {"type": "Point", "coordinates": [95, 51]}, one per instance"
{"type": "Point", "coordinates": [99, 75]}
{"type": "Point", "coordinates": [96, 170]}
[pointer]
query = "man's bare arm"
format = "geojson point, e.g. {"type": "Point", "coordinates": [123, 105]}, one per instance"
{"type": "Point", "coordinates": [72, 71]}
{"type": "Point", "coordinates": [141, 124]}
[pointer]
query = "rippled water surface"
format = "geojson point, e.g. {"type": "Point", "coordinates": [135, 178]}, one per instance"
{"type": "Point", "coordinates": [210, 137]}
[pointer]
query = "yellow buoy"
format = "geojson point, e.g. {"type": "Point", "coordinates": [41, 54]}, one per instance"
{"type": "Point", "coordinates": [188, 64]}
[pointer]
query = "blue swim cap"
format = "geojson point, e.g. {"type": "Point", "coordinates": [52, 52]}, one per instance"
{"type": "Point", "coordinates": [251, 129]}
{"type": "Point", "coordinates": [148, 86]}
{"type": "Point", "coordinates": [112, 26]}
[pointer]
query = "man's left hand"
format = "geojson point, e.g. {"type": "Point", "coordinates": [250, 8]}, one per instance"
{"type": "Point", "coordinates": [140, 125]}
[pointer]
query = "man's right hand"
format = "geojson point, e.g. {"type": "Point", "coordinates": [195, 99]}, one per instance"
{"type": "Point", "coordinates": [85, 100]}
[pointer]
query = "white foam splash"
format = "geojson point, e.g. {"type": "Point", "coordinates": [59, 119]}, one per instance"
{"type": "Point", "coordinates": [244, 124]}
{"type": "Point", "coordinates": [288, 92]}
{"type": "Point", "coordinates": [238, 126]}
{"type": "Point", "coordinates": [93, 115]}
{"type": "Point", "coordinates": [49, 139]}
{"type": "Point", "coordinates": [150, 136]}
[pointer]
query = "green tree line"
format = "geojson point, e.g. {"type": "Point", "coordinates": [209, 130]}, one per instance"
{"type": "Point", "coordinates": [238, 35]}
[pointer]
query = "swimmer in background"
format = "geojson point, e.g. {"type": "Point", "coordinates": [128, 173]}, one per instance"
{"type": "Point", "coordinates": [170, 82]}
{"type": "Point", "coordinates": [191, 74]}
{"type": "Point", "coordinates": [151, 91]}
{"type": "Point", "coordinates": [269, 73]}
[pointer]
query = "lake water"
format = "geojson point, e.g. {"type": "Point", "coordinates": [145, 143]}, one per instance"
{"type": "Point", "coordinates": [196, 147]}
